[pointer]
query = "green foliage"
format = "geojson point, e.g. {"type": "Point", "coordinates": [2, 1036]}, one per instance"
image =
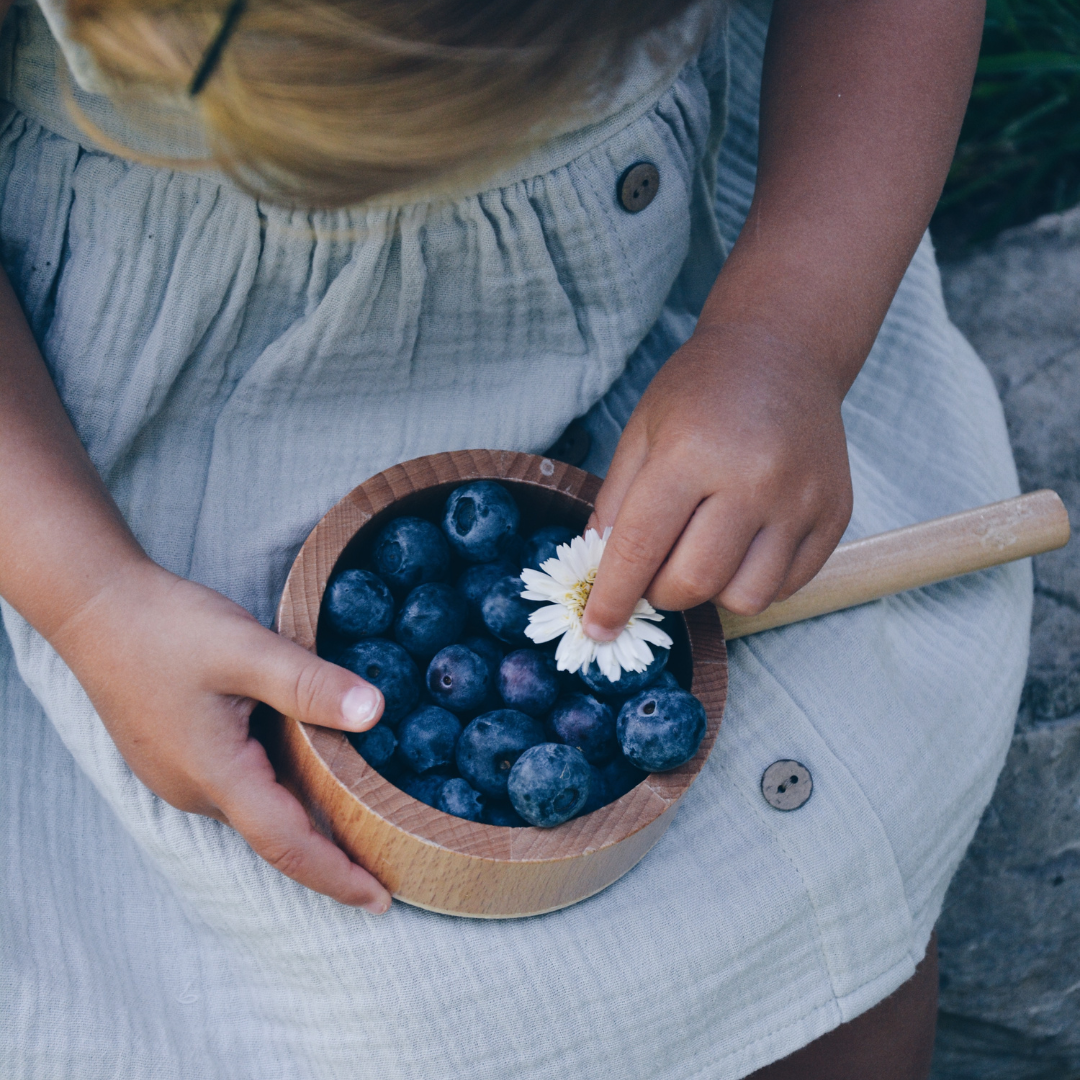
{"type": "Point", "coordinates": [1019, 150]}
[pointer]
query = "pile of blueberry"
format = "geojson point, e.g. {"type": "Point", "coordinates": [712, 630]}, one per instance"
{"type": "Point", "coordinates": [478, 721]}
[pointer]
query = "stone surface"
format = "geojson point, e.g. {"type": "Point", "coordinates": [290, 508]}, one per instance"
{"type": "Point", "coordinates": [1010, 930]}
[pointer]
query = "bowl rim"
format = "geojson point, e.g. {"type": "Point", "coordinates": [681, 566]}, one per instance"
{"type": "Point", "coordinates": [332, 754]}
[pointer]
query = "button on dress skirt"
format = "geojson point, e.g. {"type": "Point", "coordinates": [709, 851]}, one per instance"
{"type": "Point", "coordinates": [233, 369]}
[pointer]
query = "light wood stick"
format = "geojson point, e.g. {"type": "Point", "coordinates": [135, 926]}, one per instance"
{"type": "Point", "coordinates": [918, 555]}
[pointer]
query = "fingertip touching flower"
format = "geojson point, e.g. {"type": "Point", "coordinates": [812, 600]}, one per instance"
{"type": "Point", "coordinates": [563, 584]}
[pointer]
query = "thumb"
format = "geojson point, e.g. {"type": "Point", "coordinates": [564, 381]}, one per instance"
{"type": "Point", "coordinates": [299, 684]}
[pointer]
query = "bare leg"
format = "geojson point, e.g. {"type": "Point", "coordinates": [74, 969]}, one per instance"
{"type": "Point", "coordinates": [893, 1041]}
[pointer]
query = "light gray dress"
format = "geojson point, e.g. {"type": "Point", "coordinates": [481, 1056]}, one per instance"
{"type": "Point", "coordinates": [233, 369]}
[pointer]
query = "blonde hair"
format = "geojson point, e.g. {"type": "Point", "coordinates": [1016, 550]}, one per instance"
{"type": "Point", "coordinates": [333, 102]}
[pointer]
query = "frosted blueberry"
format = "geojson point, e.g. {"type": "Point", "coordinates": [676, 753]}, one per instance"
{"type": "Point", "coordinates": [549, 784]}
{"type": "Point", "coordinates": [505, 613]}
{"type": "Point", "coordinates": [529, 681]}
{"type": "Point", "coordinates": [391, 771]}
{"type": "Point", "coordinates": [480, 520]}
{"type": "Point", "coordinates": [432, 616]}
{"type": "Point", "coordinates": [458, 679]}
{"type": "Point", "coordinates": [358, 604]}
{"type": "Point", "coordinates": [424, 788]}
{"type": "Point", "coordinates": [581, 720]}
{"type": "Point", "coordinates": [620, 776]}
{"type": "Point", "coordinates": [629, 682]}
{"type": "Point", "coordinates": [457, 798]}
{"type": "Point", "coordinates": [511, 552]}
{"type": "Point", "coordinates": [489, 650]}
{"type": "Point", "coordinates": [543, 544]}
{"type": "Point", "coordinates": [427, 739]}
{"type": "Point", "coordinates": [661, 729]}
{"type": "Point", "coordinates": [409, 552]}
{"type": "Point", "coordinates": [497, 812]}
{"type": "Point", "coordinates": [376, 745]}
{"type": "Point", "coordinates": [598, 795]}
{"type": "Point", "coordinates": [475, 582]}
{"type": "Point", "coordinates": [388, 666]}
{"type": "Point", "coordinates": [491, 744]}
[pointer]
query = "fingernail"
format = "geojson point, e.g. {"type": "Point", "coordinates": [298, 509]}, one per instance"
{"type": "Point", "coordinates": [599, 633]}
{"type": "Point", "coordinates": [360, 705]}
{"type": "Point", "coordinates": [378, 907]}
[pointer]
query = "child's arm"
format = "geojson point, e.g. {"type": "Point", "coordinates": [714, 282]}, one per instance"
{"type": "Point", "coordinates": [734, 466]}
{"type": "Point", "coordinates": [172, 668]}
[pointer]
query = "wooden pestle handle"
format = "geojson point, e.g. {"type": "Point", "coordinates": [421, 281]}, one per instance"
{"type": "Point", "coordinates": [918, 555]}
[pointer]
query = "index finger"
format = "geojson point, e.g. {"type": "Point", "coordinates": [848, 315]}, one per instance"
{"type": "Point", "coordinates": [278, 830]}
{"type": "Point", "coordinates": [650, 520]}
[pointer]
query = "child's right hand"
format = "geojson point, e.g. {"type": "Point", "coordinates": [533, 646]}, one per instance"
{"type": "Point", "coordinates": [174, 670]}
{"type": "Point", "coordinates": [731, 479]}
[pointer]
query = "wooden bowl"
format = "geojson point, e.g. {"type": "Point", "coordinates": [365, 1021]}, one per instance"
{"type": "Point", "coordinates": [426, 857]}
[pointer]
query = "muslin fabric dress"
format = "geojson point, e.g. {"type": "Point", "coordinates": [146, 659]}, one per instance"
{"type": "Point", "coordinates": [233, 369]}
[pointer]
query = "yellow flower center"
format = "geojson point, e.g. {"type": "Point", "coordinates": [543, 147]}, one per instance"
{"type": "Point", "coordinates": [578, 595]}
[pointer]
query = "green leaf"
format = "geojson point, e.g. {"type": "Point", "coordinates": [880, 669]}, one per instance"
{"type": "Point", "coordinates": [1028, 63]}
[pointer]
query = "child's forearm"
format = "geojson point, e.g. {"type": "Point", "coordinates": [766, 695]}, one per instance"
{"type": "Point", "coordinates": [62, 538]}
{"type": "Point", "coordinates": [861, 107]}
{"type": "Point", "coordinates": [172, 668]}
{"type": "Point", "coordinates": [731, 479]}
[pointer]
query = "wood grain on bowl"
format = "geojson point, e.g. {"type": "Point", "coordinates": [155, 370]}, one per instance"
{"type": "Point", "coordinates": [428, 858]}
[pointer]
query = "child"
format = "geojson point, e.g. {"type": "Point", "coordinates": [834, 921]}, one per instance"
{"type": "Point", "coordinates": [233, 363]}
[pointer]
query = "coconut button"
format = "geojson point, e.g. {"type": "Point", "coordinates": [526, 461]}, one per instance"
{"type": "Point", "coordinates": [638, 186]}
{"type": "Point", "coordinates": [786, 785]}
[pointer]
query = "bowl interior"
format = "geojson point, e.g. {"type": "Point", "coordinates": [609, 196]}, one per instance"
{"type": "Point", "coordinates": [539, 506]}
{"type": "Point", "coordinates": [547, 493]}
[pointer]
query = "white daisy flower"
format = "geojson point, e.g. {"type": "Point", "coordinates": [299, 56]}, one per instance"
{"type": "Point", "coordinates": [565, 583]}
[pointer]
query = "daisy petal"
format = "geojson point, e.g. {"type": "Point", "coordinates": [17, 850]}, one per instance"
{"type": "Point", "coordinates": [562, 585]}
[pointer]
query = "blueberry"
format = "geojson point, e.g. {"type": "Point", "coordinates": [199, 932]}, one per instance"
{"type": "Point", "coordinates": [629, 682]}
{"type": "Point", "coordinates": [543, 545]}
{"type": "Point", "coordinates": [666, 679]}
{"type": "Point", "coordinates": [598, 794]}
{"type": "Point", "coordinates": [549, 784]}
{"type": "Point", "coordinates": [427, 739]}
{"type": "Point", "coordinates": [391, 771]}
{"type": "Point", "coordinates": [388, 666]}
{"type": "Point", "coordinates": [505, 613]}
{"type": "Point", "coordinates": [512, 551]}
{"type": "Point", "coordinates": [582, 721]}
{"type": "Point", "coordinates": [476, 581]}
{"type": "Point", "coordinates": [480, 520]}
{"type": "Point", "coordinates": [529, 681]}
{"type": "Point", "coordinates": [569, 683]}
{"type": "Point", "coordinates": [409, 552]}
{"type": "Point", "coordinates": [491, 744]}
{"type": "Point", "coordinates": [358, 604]}
{"type": "Point", "coordinates": [457, 798]}
{"type": "Point", "coordinates": [661, 729]}
{"type": "Point", "coordinates": [376, 745]}
{"type": "Point", "coordinates": [620, 776]}
{"type": "Point", "coordinates": [431, 617]}
{"type": "Point", "coordinates": [489, 650]}
{"type": "Point", "coordinates": [424, 788]}
{"type": "Point", "coordinates": [497, 812]}
{"type": "Point", "coordinates": [458, 679]}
